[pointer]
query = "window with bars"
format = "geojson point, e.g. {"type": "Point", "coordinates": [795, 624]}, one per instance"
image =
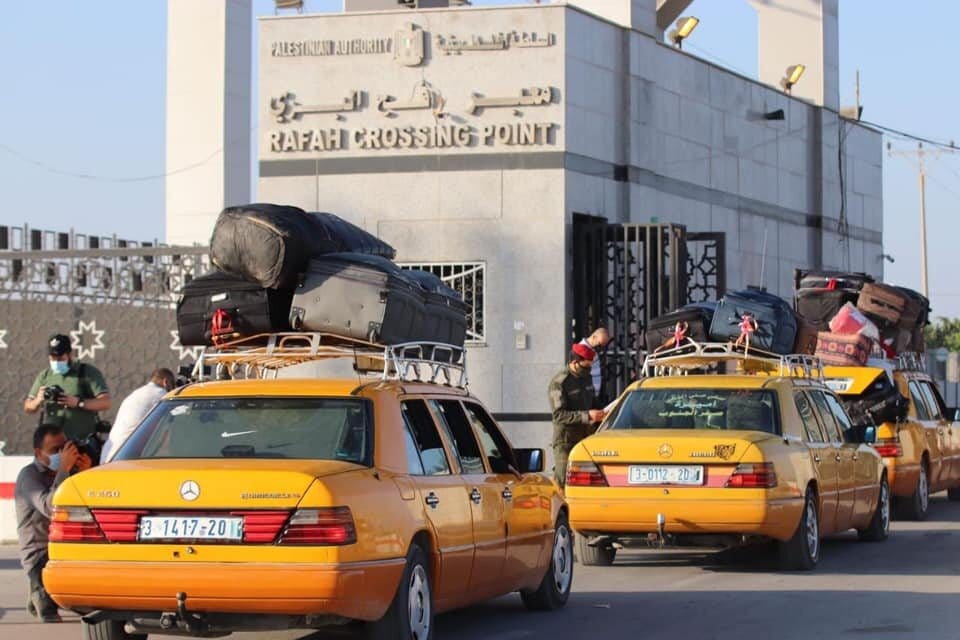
{"type": "Point", "coordinates": [468, 279]}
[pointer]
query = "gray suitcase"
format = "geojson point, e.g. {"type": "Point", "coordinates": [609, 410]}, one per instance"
{"type": "Point", "coordinates": [358, 296]}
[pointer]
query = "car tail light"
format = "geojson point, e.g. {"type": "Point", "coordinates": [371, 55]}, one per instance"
{"type": "Point", "coordinates": [585, 474]}
{"type": "Point", "coordinates": [74, 524]}
{"type": "Point", "coordinates": [118, 525]}
{"type": "Point", "coordinates": [328, 526]}
{"type": "Point", "coordinates": [262, 526]}
{"type": "Point", "coordinates": [889, 447]}
{"type": "Point", "coordinates": [753, 475]}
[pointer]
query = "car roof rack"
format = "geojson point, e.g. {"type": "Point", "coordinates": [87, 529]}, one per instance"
{"type": "Point", "coordinates": [705, 355]}
{"type": "Point", "coordinates": [263, 356]}
{"type": "Point", "coordinates": [910, 361]}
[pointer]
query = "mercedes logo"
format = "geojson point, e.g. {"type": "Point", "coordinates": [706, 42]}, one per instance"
{"type": "Point", "coordinates": [190, 491]}
{"type": "Point", "coordinates": [665, 450]}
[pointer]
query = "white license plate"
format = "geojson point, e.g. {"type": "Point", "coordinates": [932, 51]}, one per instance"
{"type": "Point", "coordinates": [665, 474]}
{"type": "Point", "coordinates": [190, 528]}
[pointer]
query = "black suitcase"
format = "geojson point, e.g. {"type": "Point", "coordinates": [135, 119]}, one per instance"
{"type": "Point", "coordinates": [698, 317]}
{"type": "Point", "coordinates": [445, 319]}
{"type": "Point", "coordinates": [819, 306]}
{"type": "Point", "coordinates": [219, 306]}
{"type": "Point", "coordinates": [881, 402]}
{"type": "Point", "coordinates": [776, 322]}
{"type": "Point", "coordinates": [819, 279]}
{"type": "Point", "coordinates": [349, 238]}
{"type": "Point", "coordinates": [266, 243]}
{"type": "Point", "coordinates": [358, 296]}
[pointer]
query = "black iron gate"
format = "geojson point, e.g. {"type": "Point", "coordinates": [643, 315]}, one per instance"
{"type": "Point", "coordinates": [626, 274]}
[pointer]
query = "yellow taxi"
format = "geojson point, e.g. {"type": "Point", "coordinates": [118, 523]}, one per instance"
{"type": "Point", "coordinates": [766, 453]}
{"type": "Point", "coordinates": [260, 504]}
{"type": "Point", "coordinates": [922, 451]}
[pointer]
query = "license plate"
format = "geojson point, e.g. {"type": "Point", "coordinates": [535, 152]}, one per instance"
{"type": "Point", "coordinates": [190, 528]}
{"type": "Point", "coordinates": [665, 474]}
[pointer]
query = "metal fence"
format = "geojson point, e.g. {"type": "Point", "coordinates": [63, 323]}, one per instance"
{"type": "Point", "coordinates": [469, 280]}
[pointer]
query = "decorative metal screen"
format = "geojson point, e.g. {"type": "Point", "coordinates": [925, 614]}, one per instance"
{"type": "Point", "coordinates": [467, 279]}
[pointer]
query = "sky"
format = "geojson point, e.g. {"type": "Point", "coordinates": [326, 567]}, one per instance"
{"type": "Point", "coordinates": [83, 95]}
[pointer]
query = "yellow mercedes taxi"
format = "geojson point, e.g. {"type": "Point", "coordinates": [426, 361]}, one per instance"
{"type": "Point", "coordinates": [920, 445]}
{"type": "Point", "coordinates": [265, 504]}
{"type": "Point", "coordinates": [766, 453]}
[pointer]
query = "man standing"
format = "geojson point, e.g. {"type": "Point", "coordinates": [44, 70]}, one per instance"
{"type": "Point", "coordinates": [54, 460]}
{"type": "Point", "coordinates": [69, 393]}
{"type": "Point", "coordinates": [571, 401]}
{"type": "Point", "coordinates": [598, 341]}
{"type": "Point", "coordinates": [135, 408]}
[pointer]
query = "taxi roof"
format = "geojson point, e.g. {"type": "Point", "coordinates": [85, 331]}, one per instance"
{"type": "Point", "coordinates": [708, 381]}
{"type": "Point", "coordinates": [300, 387]}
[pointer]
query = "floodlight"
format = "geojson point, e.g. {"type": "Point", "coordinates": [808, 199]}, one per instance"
{"type": "Point", "coordinates": [794, 72]}
{"type": "Point", "coordinates": [684, 27]}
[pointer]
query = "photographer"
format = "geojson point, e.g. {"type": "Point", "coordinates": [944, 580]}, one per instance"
{"type": "Point", "coordinates": [54, 459]}
{"type": "Point", "coordinates": [69, 393]}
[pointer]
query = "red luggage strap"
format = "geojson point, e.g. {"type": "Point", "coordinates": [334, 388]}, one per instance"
{"type": "Point", "coordinates": [221, 326]}
{"type": "Point", "coordinates": [831, 284]}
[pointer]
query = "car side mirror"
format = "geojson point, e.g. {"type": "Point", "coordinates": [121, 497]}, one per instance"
{"type": "Point", "coordinates": [870, 434]}
{"type": "Point", "coordinates": [956, 415]}
{"type": "Point", "coordinates": [529, 460]}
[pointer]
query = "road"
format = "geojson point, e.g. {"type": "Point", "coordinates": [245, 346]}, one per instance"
{"type": "Point", "coordinates": [905, 587]}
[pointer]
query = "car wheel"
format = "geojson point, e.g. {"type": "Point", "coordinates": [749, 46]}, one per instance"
{"type": "Point", "coordinates": [802, 551]}
{"type": "Point", "coordinates": [916, 506]}
{"type": "Point", "coordinates": [555, 587]}
{"type": "Point", "coordinates": [879, 527]}
{"type": "Point", "coordinates": [601, 555]}
{"type": "Point", "coordinates": [953, 495]}
{"type": "Point", "coordinates": [410, 616]}
{"type": "Point", "coordinates": [108, 630]}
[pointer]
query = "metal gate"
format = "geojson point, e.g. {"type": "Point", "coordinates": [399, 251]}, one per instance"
{"type": "Point", "coordinates": [626, 274]}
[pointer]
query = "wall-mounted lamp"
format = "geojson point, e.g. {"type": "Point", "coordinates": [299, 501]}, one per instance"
{"type": "Point", "coordinates": [684, 27]}
{"type": "Point", "coordinates": [776, 114]}
{"type": "Point", "coordinates": [886, 256]}
{"type": "Point", "coordinates": [794, 72]}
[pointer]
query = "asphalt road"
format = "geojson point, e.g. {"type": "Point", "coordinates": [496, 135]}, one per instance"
{"type": "Point", "coordinates": [906, 587]}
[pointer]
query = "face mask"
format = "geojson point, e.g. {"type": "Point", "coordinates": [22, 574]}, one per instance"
{"type": "Point", "coordinates": [59, 367]}
{"type": "Point", "coordinates": [54, 464]}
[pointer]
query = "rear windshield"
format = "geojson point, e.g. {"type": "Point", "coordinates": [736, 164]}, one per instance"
{"type": "Point", "coordinates": [304, 428]}
{"type": "Point", "coordinates": [744, 409]}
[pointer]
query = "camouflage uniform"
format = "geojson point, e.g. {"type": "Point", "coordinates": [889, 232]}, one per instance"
{"type": "Point", "coordinates": [571, 397]}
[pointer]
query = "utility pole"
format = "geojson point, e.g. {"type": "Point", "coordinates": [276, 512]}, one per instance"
{"type": "Point", "coordinates": [920, 152]}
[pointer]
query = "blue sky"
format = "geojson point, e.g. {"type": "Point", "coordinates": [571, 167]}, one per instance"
{"type": "Point", "coordinates": [83, 93]}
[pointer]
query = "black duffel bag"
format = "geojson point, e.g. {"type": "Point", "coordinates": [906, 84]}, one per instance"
{"type": "Point", "coordinates": [879, 403]}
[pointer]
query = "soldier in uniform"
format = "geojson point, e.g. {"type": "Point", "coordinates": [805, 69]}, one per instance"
{"type": "Point", "coordinates": [571, 402]}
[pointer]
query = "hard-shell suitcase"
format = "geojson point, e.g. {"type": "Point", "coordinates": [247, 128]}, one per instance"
{"type": "Point", "coordinates": [776, 329]}
{"type": "Point", "coordinates": [358, 296]}
{"type": "Point", "coordinates": [883, 303]}
{"type": "Point", "coordinates": [845, 350]}
{"type": "Point", "coordinates": [445, 319]}
{"type": "Point", "coordinates": [819, 306]}
{"type": "Point", "coordinates": [698, 317]}
{"type": "Point", "coordinates": [830, 280]}
{"type": "Point", "coordinates": [806, 337]}
{"type": "Point", "coordinates": [218, 307]}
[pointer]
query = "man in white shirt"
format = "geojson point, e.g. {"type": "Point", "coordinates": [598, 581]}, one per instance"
{"type": "Point", "coordinates": [135, 408]}
{"type": "Point", "coordinates": [598, 341]}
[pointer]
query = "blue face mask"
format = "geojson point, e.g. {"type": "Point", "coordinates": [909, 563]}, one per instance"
{"type": "Point", "coordinates": [54, 464]}
{"type": "Point", "coordinates": [59, 367]}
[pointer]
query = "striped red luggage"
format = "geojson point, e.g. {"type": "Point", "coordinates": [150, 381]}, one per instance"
{"type": "Point", "coordinates": [883, 303]}
{"type": "Point", "coordinates": [843, 350]}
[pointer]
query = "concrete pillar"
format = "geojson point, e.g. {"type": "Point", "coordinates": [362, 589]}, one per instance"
{"type": "Point", "coordinates": [639, 15]}
{"type": "Point", "coordinates": [208, 114]}
{"type": "Point", "coordinates": [800, 32]}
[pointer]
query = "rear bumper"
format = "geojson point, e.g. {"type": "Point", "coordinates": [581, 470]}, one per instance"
{"type": "Point", "coordinates": [360, 590]}
{"type": "Point", "coordinates": [776, 519]}
{"type": "Point", "coordinates": [902, 476]}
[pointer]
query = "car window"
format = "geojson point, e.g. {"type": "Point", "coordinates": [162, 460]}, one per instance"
{"type": "Point", "coordinates": [843, 420]}
{"type": "Point", "coordinates": [494, 445]}
{"type": "Point", "coordinates": [937, 408]}
{"type": "Point", "coordinates": [698, 408]}
{"type": "Point", "coordinates": [830, 427]}
{"type": "Point", "coordinates": [256, 427]}
{"type": "Point", "coordinates": [414, 460]}
{"type": "Point", "coordinates": [810, 425]}
{"type": "Point", "coordinates": [452, 417]}
{"type": "Point", "coordinates": [427, 441]}
{"type": "Point", "coordinates": [919, 404]}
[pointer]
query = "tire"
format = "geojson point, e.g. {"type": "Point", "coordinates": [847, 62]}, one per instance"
{"type": "Point", "coordinates": [917, 506]}
{"type": "Point", "coordinates": [410, 616]}
{"type": "Point", "coordinates": [802, 551]}
{"type": "Point", "coordinates": [108, 630]}
{"type": "Point", "coordinates": [879, 527]}
{"type": "Point", "coordinates": [953, 495]}
{"type": "Point", "coordinates": [597, 556]}
{"type": "Point", "coordinates": [554, 589]}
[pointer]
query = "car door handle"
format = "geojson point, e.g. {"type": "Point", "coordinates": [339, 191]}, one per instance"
{"type": "Point", "coordinates": [475, 496]}
{"type": "Point", "coordinates": [507, 494]}
{"type": "Point", "coordinates": [432, 500]}
{"type": "Point", "coordinates": [856, 456]}
{"type": "Point", "coordinates": [838, 457]}
{"type": "Point", "coordinates": [816, 458]}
